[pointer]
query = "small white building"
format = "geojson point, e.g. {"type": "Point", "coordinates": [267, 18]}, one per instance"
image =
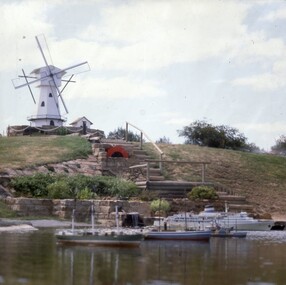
{"type": "Point", "coordinates": [81, 122]}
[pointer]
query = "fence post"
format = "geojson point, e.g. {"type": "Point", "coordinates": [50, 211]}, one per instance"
{"type": "Point", "coordinates": [126, 132]}
{"type": "Point", "coordinates": [141, 140]}
{"type": "Point", "coordinates": [148, 171]}
{"type": "Point", "coordinates": [160, 162]}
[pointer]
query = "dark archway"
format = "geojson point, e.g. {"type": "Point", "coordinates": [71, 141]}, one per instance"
{"type": "Point", "coordinates": [117, 151]}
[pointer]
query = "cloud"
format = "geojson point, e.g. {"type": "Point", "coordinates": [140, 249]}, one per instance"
{"type": "Point", "coordinates": [262, 82]}
{"type": "Point", "coordinates": [19, 22]}
{"type": "Point", "coordinates": [116, 88]}
{"type": "Point", "coordinates": [274, 15]}
{"type": "Point", "coordinates": [155, 34]}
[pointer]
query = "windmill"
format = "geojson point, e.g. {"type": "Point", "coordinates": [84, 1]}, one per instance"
{"type": "Point", "coordinates": [50, 79]}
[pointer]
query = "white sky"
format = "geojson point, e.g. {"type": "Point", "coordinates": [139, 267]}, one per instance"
{"type": "Point", "coordinates": [159, 64]}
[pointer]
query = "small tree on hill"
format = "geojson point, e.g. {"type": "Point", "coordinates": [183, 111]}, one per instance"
{"type": "Point", "coordinates": [120, 134]}
{"type": "Point", "coordinates": [280, 145]}
{"type": "Point", "coordinates": [163, 140]}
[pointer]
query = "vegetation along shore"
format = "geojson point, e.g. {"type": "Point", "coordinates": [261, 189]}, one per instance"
{"type": "Point", "coordinates": [261, 178]}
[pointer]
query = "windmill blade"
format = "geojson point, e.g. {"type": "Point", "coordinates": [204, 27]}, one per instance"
{"type": "Point", "coordinates": [29, 86]}
{"type": "Point", "coordinates": [42, 51]}
{"type": "Point", "coordinates": [16, 86]}
{"type": "Point", "coordinates": [85, 63]}
{"type": "Point", "coordinates": [63, 102]}
{"type": "Point", "coordinates": [67, 82]}
{"type": "Point", "coordinates": [27, 76]}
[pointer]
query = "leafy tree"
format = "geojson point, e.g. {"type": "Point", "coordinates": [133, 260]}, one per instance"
{"type": "Point", "coordinates": [205, 134]}
{"type": "Point", "coordinates": [120, 134]}
{"type": "Point", "coordinates": [280, 145]}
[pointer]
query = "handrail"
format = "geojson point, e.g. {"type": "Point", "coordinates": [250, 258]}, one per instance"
{"type": "Point", "coordinates": [142, 132]}
{"type": "Point", "coordinates": [161, 153]}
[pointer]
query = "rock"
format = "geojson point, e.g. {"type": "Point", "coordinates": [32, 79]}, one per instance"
{"type": "Point", "coordinates": [4, 192]}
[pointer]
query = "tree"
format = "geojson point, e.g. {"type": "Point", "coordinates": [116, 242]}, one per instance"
{"type": "Point", "coordinates": [280, 145]}
{"type": "Point", "coordinates": [120, 134]}
{"type": "Point", "coordinates": [163, 140]}
{"type": "Point", "coordinates": [205, 134]}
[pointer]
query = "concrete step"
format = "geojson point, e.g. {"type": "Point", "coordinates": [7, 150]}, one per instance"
{"type": "Point", "coordinates": [139, 152]}
{"type": "Point", "coordinates": [240, 207]}
{"type": "Point", "coordinates": [156, 178]}
{"type": "Point", "coordinates": [232, 198]}
{"type": "Point", "coordinates": [174, 185]}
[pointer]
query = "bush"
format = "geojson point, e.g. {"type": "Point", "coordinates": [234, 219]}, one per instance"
{"type": "Point", "coordinates": [202, 192]}
{"type": "Point", "coordinates": [78, 186]}
{"type": "Point", "coordinates": [85, 194]}
{"type": "Point", "coordinates": [32, 186]}
{"type": "Point", "coordinates": [59, 190]}
{"type": "Point", "coordinates": [160, 205]}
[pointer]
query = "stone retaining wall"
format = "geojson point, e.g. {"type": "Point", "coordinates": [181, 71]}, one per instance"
{"type": "Point", "coordinates": [62, 209]}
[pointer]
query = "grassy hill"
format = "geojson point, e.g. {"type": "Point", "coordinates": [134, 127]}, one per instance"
{"type": "Point", "coordinates": [260, 177]}
{"type": "Point", "coordinates": [18, 152]}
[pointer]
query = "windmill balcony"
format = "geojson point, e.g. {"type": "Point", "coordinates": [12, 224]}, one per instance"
{"type": "Point", "coordinates": [46, 117]}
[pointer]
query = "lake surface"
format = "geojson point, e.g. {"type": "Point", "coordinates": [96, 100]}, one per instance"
{"type": "Point", "coordinates": [34, 258]}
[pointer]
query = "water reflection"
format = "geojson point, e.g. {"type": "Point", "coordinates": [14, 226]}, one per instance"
{"type": "Point", "coordinates": [34, 258]}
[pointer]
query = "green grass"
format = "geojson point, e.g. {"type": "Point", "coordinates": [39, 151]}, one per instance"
{"type": "Point", "coordinates": [19, 152]}
{"type": "Point", "coordinates": [259, 177]}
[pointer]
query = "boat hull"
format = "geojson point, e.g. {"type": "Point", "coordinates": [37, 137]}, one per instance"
{"type": "Point", "coordinates": [101, 240]}
{"type": "Point", "coordinates": [184, 235]}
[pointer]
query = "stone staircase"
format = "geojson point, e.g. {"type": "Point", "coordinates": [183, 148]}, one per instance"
{"type": "Point", "coordinates": [157, 183]}
{"type": "Point", "coordinates": [168, 189]}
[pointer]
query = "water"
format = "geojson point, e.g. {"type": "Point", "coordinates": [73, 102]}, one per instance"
{"type": "Point", "coordinates": [34, 258]}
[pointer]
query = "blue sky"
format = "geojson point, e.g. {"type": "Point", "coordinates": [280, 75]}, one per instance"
{"type": "Point", "coordinates": [158, 64]}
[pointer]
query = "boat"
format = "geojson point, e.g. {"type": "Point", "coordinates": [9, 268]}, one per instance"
{"type": "Point", "coordinates": [210, 218]}
{"type": "Point", "coordinates": [100, 236]}
{"type": "Point", "coordinates": [228, 232]}
{"type": "Point", "coordinates": [179, 235]}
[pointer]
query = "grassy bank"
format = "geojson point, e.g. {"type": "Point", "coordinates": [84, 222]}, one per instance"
{"type": "Point", "coordinates": [18, 152]}
{"type": "Point", "coordinates": [260, 177]}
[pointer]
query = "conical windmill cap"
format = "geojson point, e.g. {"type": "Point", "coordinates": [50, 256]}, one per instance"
{"type": "Point", "coordinates": [51, 68]}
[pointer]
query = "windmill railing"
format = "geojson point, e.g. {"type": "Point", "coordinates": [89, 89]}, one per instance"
{"type": "Point", "coordinates": [46, 117]}
{"type": "Point", "coordinates": [142, 133]}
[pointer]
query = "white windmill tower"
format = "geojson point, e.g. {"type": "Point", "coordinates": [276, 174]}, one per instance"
{"type": "Point", "coordinates": [50, 79]}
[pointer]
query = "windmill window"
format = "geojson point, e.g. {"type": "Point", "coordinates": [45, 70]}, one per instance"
{"type": "Point", "coordinates": [50, 95]}
{"type": "Point", "coordinates": [43, 104]}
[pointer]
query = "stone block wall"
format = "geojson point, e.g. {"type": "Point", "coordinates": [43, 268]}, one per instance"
{"type": "Point", "coordinates": [63, 209]}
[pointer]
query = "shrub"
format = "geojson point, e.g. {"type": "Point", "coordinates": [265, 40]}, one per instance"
{"type": "Point", "coordinates": [59, 190]}
{"type": "Point", "coordinates": [160, 205]}
{"type": "Point", "coordinates": [32, 186]}
{"type": "Point", "coordinates": [202, 192]}
{"type": "Point", "coordinates": [63, 186]}
{"type": "Point", "coordinates": [85, 194]}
